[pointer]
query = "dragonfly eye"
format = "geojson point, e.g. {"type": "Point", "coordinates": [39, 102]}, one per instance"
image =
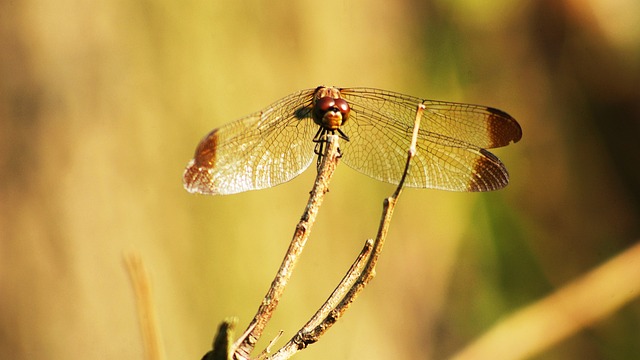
{"type": "Point", "coordinates": [324, 104]}
{"type": "Point", "coordinates": [344, 108]}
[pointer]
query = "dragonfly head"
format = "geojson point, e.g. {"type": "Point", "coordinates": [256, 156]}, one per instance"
{"type": "Point", "coordinates": [330, 112]}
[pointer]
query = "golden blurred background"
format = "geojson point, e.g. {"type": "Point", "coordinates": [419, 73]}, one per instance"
{"type": "Point", "coordinates": [103, 102]}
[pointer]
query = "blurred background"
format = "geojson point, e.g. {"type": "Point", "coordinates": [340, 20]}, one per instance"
{"type": "Point", "coordinates": [103, 102]}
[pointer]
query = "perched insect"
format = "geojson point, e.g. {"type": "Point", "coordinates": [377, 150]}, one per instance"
{"type": "Point", "coordinates": [275, 145]}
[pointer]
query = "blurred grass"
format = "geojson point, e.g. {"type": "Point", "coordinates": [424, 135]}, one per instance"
{"type": "Point", "coordinates": [102, 104]}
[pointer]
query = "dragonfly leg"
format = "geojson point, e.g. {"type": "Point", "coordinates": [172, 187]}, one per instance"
{"type": "Point", "coordinates": [342, 135]}
{"type": "Point", "coordinates": [320, 140]}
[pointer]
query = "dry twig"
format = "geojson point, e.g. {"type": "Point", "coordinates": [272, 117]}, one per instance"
{"type": "Point", "coordinates": [146, 310]}
{"type": "Point", "coordinates": [358, 276]}
{"type": "Point", "coordinates": [578, 305]}
{"type": "Point", "coordinates": [245, 345]}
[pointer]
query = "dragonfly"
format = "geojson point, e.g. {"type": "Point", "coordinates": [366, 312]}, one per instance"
{"type": "Point", "coordinates": [276, 144]}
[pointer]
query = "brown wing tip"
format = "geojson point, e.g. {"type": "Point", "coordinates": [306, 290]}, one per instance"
{"type": "Point", "coordinates": [503, 128]}
{"type": "Point", "coordinates": [197, 179]}
{"type": "Point", "coordinates": [205, 154]}
{"type": "Point", "coordinates": [489, 173]}
{"type": "Point", "coordinates": [198, 176]}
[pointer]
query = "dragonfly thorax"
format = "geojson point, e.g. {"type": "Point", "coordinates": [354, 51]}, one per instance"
{"type": "Point", "coordinates": [330, 113]}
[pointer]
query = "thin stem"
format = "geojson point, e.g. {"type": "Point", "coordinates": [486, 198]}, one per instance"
{"type": "Point", "coordinates": [245, 345]}
{"type": "Point", "coordinates": [310, 333]}
{"type": "Point", "coordinates": [578, 305]}
{"type": "Point", "coordinates": [146, 310]}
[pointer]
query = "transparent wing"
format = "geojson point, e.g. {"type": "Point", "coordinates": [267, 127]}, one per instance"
{"type": "Point", "coordinates": [451, 142]}
{"type": "Point", "coordinates": [259, 151]}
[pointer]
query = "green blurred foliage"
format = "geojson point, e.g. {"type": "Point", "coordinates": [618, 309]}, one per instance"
{"type": "Point", "coordinates": [102, 104]}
